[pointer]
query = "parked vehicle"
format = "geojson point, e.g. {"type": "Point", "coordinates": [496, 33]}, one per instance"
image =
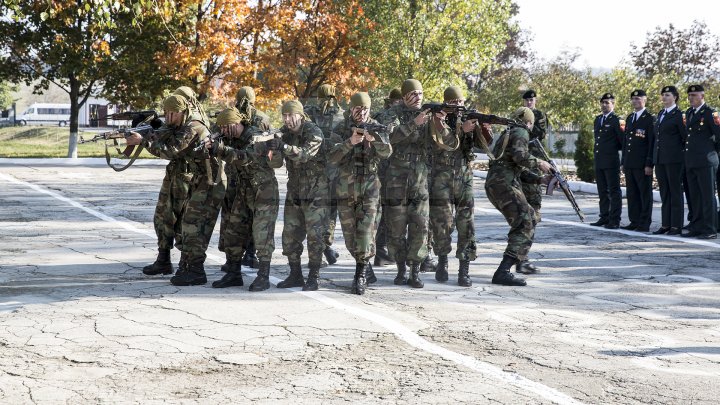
{"type": "Point", "coordinates": [45, 114]}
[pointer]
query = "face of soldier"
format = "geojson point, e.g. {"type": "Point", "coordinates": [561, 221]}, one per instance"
{"type": "Point", "coordinates": [696, 99]}
{"type": "Point", "coordinates": [360, 113]}
{"type": "Point", "coordinates": [293, 121]}
{"type": "Point", "coordinates": [232, 131]}
{"type": "Point", "coordinates": [668, 99]}
{"type": "Point", "coordinates": [173, 119]}
{"type": "Point", "coordinates": [413, 99]}
{"type": "Point", "coordinates": [638, 103]}
{"type": "Point", "coordinates": [457, 101]}
{"type": "Point", "coordinates": [606, 106]}
{"type": "Point", "coordinates": [529, 102]}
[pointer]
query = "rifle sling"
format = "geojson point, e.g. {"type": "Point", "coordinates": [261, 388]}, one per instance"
{"type": "Point", "coordinates": [138, 150]}
{"type": "Point", "coordinates": [485, 145]}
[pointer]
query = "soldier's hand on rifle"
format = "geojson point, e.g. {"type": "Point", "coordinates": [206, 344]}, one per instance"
{"type": "Point", "coordinates": [357, 137]}
{"type": "Point", "coordinates": [275, 144]}
{"type": "Point", "coordinates": [544, 166]}
{"type": "Point", "coordinates": [133, 139]}
{"type": "Point", "coordinates": [469, 125]}
{"type": "Point", "coordinates": [369, 137]}
{"type": "Point", "coordinates": [208, 143]}
{"type": "Point", "coordinates": [422, 118]}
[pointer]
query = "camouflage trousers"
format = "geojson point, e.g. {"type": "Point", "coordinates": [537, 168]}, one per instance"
{"type": "Point", "coordinates": [510, 201]}
{"type": "Point", "coordinates": [452, 190]}
{"type": "Point", "coordinates": [227, 205]}
{"type": "Point", "coordinates": [174, 193]}
{"type": "Point", "coordinates": [305, 215]}
{"type": "Point", "coordinates": [408, 213]}
{"type": "Point", "coordinates": [329, 234]}
{"type": "Point", "coordinates": [200, 214]}
{"type": "Point", "coordinates": [253, 217]}
{"type": "Point", "coordinates": [359, 208]}
{"type": "Point", "coordinates": [533, 195]}
{"type": "Point", "coordinates": [381, 232]}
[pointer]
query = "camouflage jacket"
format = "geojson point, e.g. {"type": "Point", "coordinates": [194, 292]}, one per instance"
{"type": "Point", "coordinates": [248, 160]}
{"type": "Point", "coordinates": [513, 156]}
{"type": "Point", "coordinates": [177, 144]}
{"type": "Point", "coordinates": [359, 159]}
{"type": "Point", "coordinates": [460, 156]}
{"type": "Point", "coordinates": [304, 153]}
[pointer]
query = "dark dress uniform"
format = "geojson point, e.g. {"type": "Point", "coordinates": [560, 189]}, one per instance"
{"type": "Point", "coordinates": [668, 160]}
{"type": "Point", "coordinates": [608, 143]}
{"type": "Point", "coordinates": [638, 148]}
{"type": "Point", "coordinates": [701, 162]}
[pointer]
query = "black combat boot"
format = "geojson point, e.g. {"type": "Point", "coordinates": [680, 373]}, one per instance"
{"type": "Point", "coordinates": [382, 257]}
{"type": "Point", "coordinates": [428, 265]}
{"type": "Point", "coordinates": [192, 274]}
{"type": "Point", "coordinates": [262, 281]}
{"type": "Point", "coordinates": [232, 278]}
{"type": "Point", "coordinates": [295, 279]}
{"type": "Point", "coordinates": [162, 264]}
{"type": "Point", "coordinates": [250, 258]}
{"type": "Point", "coordinates": [464, 274]}
{"type": "Point", "coordinates": [331, 255]}
{"type": "Point", "coordinates": [441, 271]}
{"type": "Point", "coordinates": [359, 283]}
{"type": "Point", "coordinates": [313, 276]}
{"type": "Point", "coordinates": [504, 277]}
{"type": "Point", "coordinates": [370, 274]}
{"type": "Point", "coordinates": [414, 280]}
{"type": "Point", "coordinates": [401, 278]}
{"type": "Point", "coordinates": [525, 267]}
{"type": "Point", "coordinates": [182, 264]}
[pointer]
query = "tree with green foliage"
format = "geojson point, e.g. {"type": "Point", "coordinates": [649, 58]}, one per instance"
{"type": "Point", "coordinates": [6, 98]}
{"type": "Point", "coordinates": [584, 159]}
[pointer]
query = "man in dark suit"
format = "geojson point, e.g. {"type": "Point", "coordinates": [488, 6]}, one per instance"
{"type": "Point", "coordinates": [701, 162]}
{"type": "Point", "coordinates": [608, 143]}
{"type": "Point", "coordinates": [637, 163]}
{"type": "Point", "coordinates": [668, 159]}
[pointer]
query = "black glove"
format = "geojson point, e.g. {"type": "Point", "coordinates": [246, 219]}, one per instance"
{"type": "Point", "coordinates": [156, 123]}
{"type": "Point", "coordinates": [275, 144]}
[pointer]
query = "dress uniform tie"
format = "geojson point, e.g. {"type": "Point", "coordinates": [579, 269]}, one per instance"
{"type": "Point", "coordinates": [662, 115]}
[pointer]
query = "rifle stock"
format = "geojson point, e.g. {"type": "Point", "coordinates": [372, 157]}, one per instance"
{"type": "Point", "coordinates": [559, 180]}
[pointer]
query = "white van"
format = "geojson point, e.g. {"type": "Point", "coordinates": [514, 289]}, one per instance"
{"type": "Point", "coordinates": [45, 114]}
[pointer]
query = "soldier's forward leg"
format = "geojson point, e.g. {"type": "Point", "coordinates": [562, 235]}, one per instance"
{"type": "Point", "coordinates": [164, 222]}
{"type": "Point", "coordinates": [465, 222]}
{"type": "Point", "coordinates": [227, 205]}
{"type": "Point", "coordinates": [250, 258]}
{"type": "Point", "coordinates": [441, 220]}
{"type": "Point", "coordinates": [329, 232]}
{"type": "Point", "coordinates": [293, 235]}
{"type": "Point", "coordinates": [418, 219]}
{"type": "Point", "coordinates": [237, 231]}
{"type": "Point", "coordinates": [533, 195]}
{"type": "Point", "coordinates": [316, 212]}
{"type": "Point", "coordinates": [265, 207]}
{"type": "Point", "coordinates": [199, 217]}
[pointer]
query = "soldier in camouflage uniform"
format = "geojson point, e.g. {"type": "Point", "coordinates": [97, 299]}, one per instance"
{"type": "Point", "coordinates": [532, 191]}
{"type": "Point", "coordinates": [358, 156]}
{"type": "Point", "coordinates": [382, 257]}
{"type": "Point", "coordinates": [451, 190]}
{"type": "Point", "coordinates": [407, 175]}
{"type": "Point", "coordinates": [306, 201]}
{"type": "Point", "coordinates": [326, 114]}
{"type": "Point", "coordinates": [504, 191]}
{"type": "Point", "coordinates": [207, 187]}
{"type": "Point", "coordinates": [173, 194]}
{"type": "Point", "coordinates": [255, 209]}
{"type": "Point", "coordinates": [245, 104]}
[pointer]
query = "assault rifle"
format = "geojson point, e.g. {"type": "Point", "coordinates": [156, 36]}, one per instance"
{"type": "Point", "coordinates": [438, 107]}
{"type": "Point", "coordinates": [558, 180]}
{"type": "Point", "coordinates": [149, 131]}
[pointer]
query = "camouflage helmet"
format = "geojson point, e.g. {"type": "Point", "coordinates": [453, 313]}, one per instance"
{"type": "Point", "coordinates": [524, 114]}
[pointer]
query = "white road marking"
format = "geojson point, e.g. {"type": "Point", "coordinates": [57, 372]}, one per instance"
{"type": "Point", "coordinates": [394, 327]}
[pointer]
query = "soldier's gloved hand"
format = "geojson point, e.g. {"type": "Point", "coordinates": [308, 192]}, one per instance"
{"type": "Point", "coordinates": [275, 144]}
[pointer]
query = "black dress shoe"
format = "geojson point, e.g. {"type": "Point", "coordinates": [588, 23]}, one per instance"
{"type": "Point", "coordinates": [707, 236]}
{"type": "Point", "coordinates": [612, 225]}
{"type": "Point", "coordinates": [661, 231]}
{"type": "Point", "coordinates": [599, 222]}
{"type": "Point", "coordinates": [642, 229]}
{"type": "Point", "coordinates": [691, 234]}
{"type": "Point", "coordinates": [686, 227]}
{"type": "Point", "coordinates": [630, 227]}
{"type": "Point", "coordinates": [674, 231]}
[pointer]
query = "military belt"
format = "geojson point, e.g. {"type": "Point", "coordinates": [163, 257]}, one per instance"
{"type": "Point", "coordinates": [363, 170]}
{"type": "Point", "coordinates": [450, 161]}
{"type": "Point", "coordinates": [410, 157]}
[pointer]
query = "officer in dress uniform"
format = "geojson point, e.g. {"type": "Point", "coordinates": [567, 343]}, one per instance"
{"type": "Point", "coordinates": [668, 160]}
{"type": "Point", "coordinates": [701, 163]}
{"type": "Point", "coordinates": [637, 163]}
{"type": "Point", "coordinates": [608, 143]}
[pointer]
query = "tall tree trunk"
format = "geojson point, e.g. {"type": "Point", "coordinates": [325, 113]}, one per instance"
{"type": "Point", "coordinates": [74, 113]}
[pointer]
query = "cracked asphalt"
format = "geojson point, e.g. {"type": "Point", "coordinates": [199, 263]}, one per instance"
{"type": "Point", "coordinates": [614, 317]}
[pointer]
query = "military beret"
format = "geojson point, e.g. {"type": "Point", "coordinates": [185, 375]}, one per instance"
{"type": "Point", "coordinates": [607, 96]}
{"type": "Point", "coordinates": [524, 114]}
{"type": "Point", "coordinates": [410, 85]}
{"type": "Point", "coordinates": [245, 92]}
{"type": "Point", "coordinates": [638, 93]}
{"type": "Point", "coordinates": [453, 93]}
{"type": "Point", "coordinates": [395, 94]}
{"type": "Point", "coordinates": [529, 94]}
{"type": "Point", "coordinates": [695, 88]}
{"type": "Point", "coordinates": [360, 99]}
{"type": "Point", "coordinates": [326, 90]}
{"type": "Point", "coordinates": [669, 89]}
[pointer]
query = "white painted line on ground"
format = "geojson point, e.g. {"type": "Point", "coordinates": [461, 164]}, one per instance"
{"type": "Point", "coordinates": [402, 332]}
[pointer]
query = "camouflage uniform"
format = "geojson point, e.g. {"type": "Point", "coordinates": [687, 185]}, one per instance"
{"type": "Point", "coordinates": [532, 191]}
{"type": "Point", "coordinates": [451, 189]}
{"type": "Point", "coordinates": [326, 116]}
{"type": "Point", "coordinates": [407, 189]}
{"type": "Point", "coordinates": [504, 191]}
{"type": "Point", "coordinates": [358, 189]}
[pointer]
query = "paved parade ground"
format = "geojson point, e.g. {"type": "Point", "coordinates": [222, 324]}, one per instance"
{"type": "Point", "coordinates": [614, 317]}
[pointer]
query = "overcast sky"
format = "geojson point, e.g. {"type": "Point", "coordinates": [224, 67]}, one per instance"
{"type": "Point", "coordinates": [603, 30]}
